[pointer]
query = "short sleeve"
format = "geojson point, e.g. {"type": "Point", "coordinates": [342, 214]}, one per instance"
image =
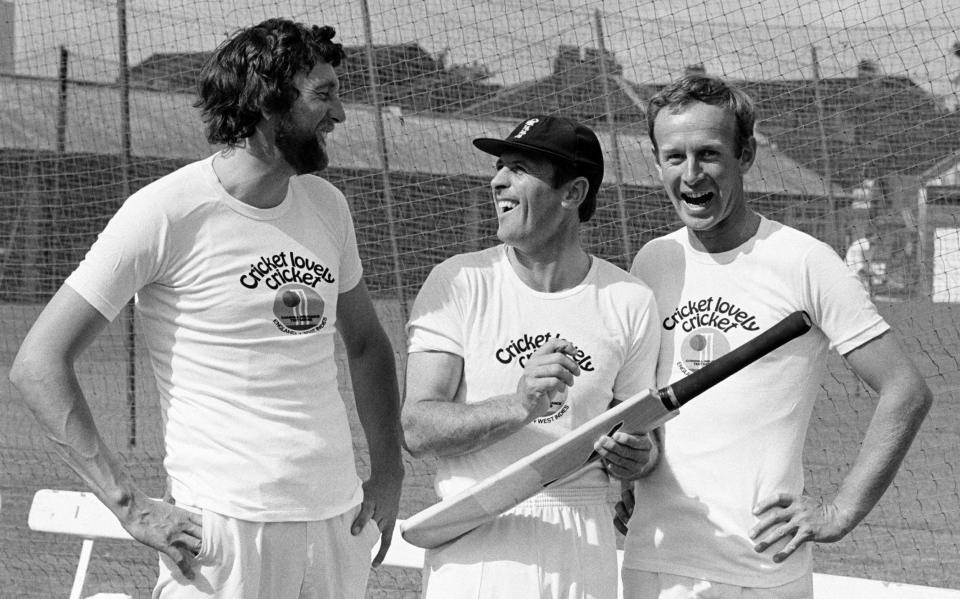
{"type": "Point", "coordinates": [640, 365]}
{"type": "Point", "coordinates": [838, 301]}
{"type": "Point", "coordinates": [436, 320]}
{"type": "Point", "coordinates": [125, 257]}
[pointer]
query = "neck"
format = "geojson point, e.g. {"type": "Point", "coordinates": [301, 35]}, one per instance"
{"type": "Point", "coordinates": [254, 174]}
{"type": "Point", "coordinates": [735, 230]}
{"type": "Point", "coordinates": [550, 272]}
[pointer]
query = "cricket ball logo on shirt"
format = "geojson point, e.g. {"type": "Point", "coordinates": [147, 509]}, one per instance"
{"type": "Point", "coordinates": [298, 310]}
{"type": "Point", "coordinates": [701, 347]}
{"type": "Point", "coordinates": [294, 277]}
{"type": "Point", "coordinates": [706, 323]}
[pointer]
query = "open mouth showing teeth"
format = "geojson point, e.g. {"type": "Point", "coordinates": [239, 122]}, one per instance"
{"type": "Point", "coordinates": [506, 206]}
{"type": "Point", "coordinates": [697, 199]}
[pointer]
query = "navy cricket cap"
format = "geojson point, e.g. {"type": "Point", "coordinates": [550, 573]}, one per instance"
{"type": "Point", "coordinates": [555, 137]}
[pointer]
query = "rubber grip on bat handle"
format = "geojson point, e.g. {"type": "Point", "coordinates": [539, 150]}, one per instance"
{"type": "Point", "coordinates": [675, 395]}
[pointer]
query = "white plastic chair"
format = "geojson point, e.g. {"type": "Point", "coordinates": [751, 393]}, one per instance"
{"type": "Point", "coordinates": [79, 514]}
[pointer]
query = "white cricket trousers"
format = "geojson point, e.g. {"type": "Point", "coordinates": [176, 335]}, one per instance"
{"type": "Point", "coordinates": [560, 544]}
{"type": "Point", "coordinates": [639, 584]}
{"type": "Point", "coordinates": [274, 560]}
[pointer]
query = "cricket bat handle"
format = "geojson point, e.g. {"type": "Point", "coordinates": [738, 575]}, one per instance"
{"type": "Point", "coordinates": [675, 395]}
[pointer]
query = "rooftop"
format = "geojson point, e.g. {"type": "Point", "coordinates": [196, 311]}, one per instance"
{"type": "Point", "coordinates": [165, 125]}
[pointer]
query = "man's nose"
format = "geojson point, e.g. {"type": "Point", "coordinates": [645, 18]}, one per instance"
{"type": "Point", "coordinates": [336, 110]}
{"type": "Point", "coordinates": [500, 179]}
{"type": "Point", "coordinates": [693, 170]}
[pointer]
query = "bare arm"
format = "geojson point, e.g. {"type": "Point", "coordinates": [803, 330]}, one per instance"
{"type": "Point", "coordinates": [903, 404]}
{"type": "Point", "coordinates": [434, 423]}
{"type": "Point", "coordinates": [43, 371]}
{"type": "Point", "coordinates": [374, 376]}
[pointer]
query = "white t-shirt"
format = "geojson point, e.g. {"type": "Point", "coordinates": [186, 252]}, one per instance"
{"type": "Point", "coordinates": [742, 440]}
{"type": "Point", "coordinates": [476, 307]}
{"type": "Point", "coordinates": [238, 310]}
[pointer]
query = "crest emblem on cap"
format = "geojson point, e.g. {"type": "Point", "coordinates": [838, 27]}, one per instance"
{"type": "Point", "coordinates": [526, 127]}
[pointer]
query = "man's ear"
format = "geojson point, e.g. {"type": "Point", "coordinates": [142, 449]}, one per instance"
{"type": "Point", "coordinates": [267, 125]}
{"type": "Point", "coordinates": [656, 161]}
{"type": "Point", "coordinates": [748, 154]}
{"type": "Point", "coordinates": [576, 193]}
{"type": "Point", "coordinates": [268, 117]}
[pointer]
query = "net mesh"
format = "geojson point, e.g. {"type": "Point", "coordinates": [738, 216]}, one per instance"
{"type": "Point", "coordinates": [858, 121]}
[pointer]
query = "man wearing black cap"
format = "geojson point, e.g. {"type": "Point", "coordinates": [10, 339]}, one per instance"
{"type": "Point", "coordinates": [513, 346]}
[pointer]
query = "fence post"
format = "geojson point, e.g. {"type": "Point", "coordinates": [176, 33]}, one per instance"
{"type": "Point", "coordinates": [125, 159]}
{"type": "Point", "coordinates": [384, 157]}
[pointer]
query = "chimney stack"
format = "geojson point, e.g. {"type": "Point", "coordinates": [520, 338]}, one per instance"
{"type": "Point", "coordinates": [867, 69]}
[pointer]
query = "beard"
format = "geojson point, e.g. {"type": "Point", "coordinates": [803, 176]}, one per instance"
{"type": "Point", "coordinates": [301, 149]}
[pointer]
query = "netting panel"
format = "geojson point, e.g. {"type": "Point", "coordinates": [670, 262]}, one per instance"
{"type": "Point", "coordinates": [858, 121]}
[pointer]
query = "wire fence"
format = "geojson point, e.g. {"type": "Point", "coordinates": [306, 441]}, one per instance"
{"type": "Point", "coordinates": [858, 129]}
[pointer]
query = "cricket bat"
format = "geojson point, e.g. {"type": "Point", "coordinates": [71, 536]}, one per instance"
{"type": "Point", "coordinates": [457, 515]}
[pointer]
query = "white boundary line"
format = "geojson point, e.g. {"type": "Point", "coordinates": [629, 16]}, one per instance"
{"type": "Point", "coordinates": [829, 586]}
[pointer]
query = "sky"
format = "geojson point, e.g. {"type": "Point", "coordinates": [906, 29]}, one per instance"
{"type": "Point", "coordinates": [517, 39]}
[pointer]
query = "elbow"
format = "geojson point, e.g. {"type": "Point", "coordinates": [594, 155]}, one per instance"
{"type": "Point", "coordinates": [921, 394]}
{"type": "Point", "coordinates": [28, 371]}
{"type": "Point", "coordinates": [414, 446]}
{"type": "Point", "coordinates": [413, 442]}
{"type": "Point", "coordinates": [372, 343]}
{"type": "Point", "coordinates": [917, 399]}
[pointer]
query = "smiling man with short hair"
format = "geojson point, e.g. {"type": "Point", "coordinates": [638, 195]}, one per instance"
{"type": "Point", "coordinates": [725, 515]}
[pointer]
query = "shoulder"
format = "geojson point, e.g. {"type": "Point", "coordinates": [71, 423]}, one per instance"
{"type": "Point", "coordinates": [175, 194]}
{"type": "Point", "coordinates": [189, 176]}
{"type": "Point", "coordinates": [476, 263]}
{"type": "Point", "coordinates": [779, 232]}
{"type": "Point", "coordinates": [469, 266]}
{"type": "Point", "coordinates": [610, 274]}
{"type": "Point", "coordinates": [465, 274]}
{"type": "Point", "coordinates": [802, 245]}
{"type": "Point", "coordinates": [671, 242]}
{"type": "Point", "coordinates": [317, 183]}
{"type": "Point", "coordinates": [455, 287]}
{"type": "Point", "coordinates": [321, 192]}
{"type": "Point", "coordinates": [657, 252]}
{"type": "Point", "coordinates": [623, 289]}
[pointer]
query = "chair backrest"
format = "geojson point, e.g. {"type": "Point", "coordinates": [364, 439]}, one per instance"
{"type": "Point", "coordinates": [73, 513]}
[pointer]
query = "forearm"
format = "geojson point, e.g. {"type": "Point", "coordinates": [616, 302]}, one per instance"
{"type": "Point", "coordinates": [437, 421]}
{"type": "Point", "coordinates": [374, 377]}
{"type": "Point", "coordinates": [447, 428]}
{"type": "Point", "coordinates": [892, 429]}
{"type": "Point", "coordinates": [54, 397]}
